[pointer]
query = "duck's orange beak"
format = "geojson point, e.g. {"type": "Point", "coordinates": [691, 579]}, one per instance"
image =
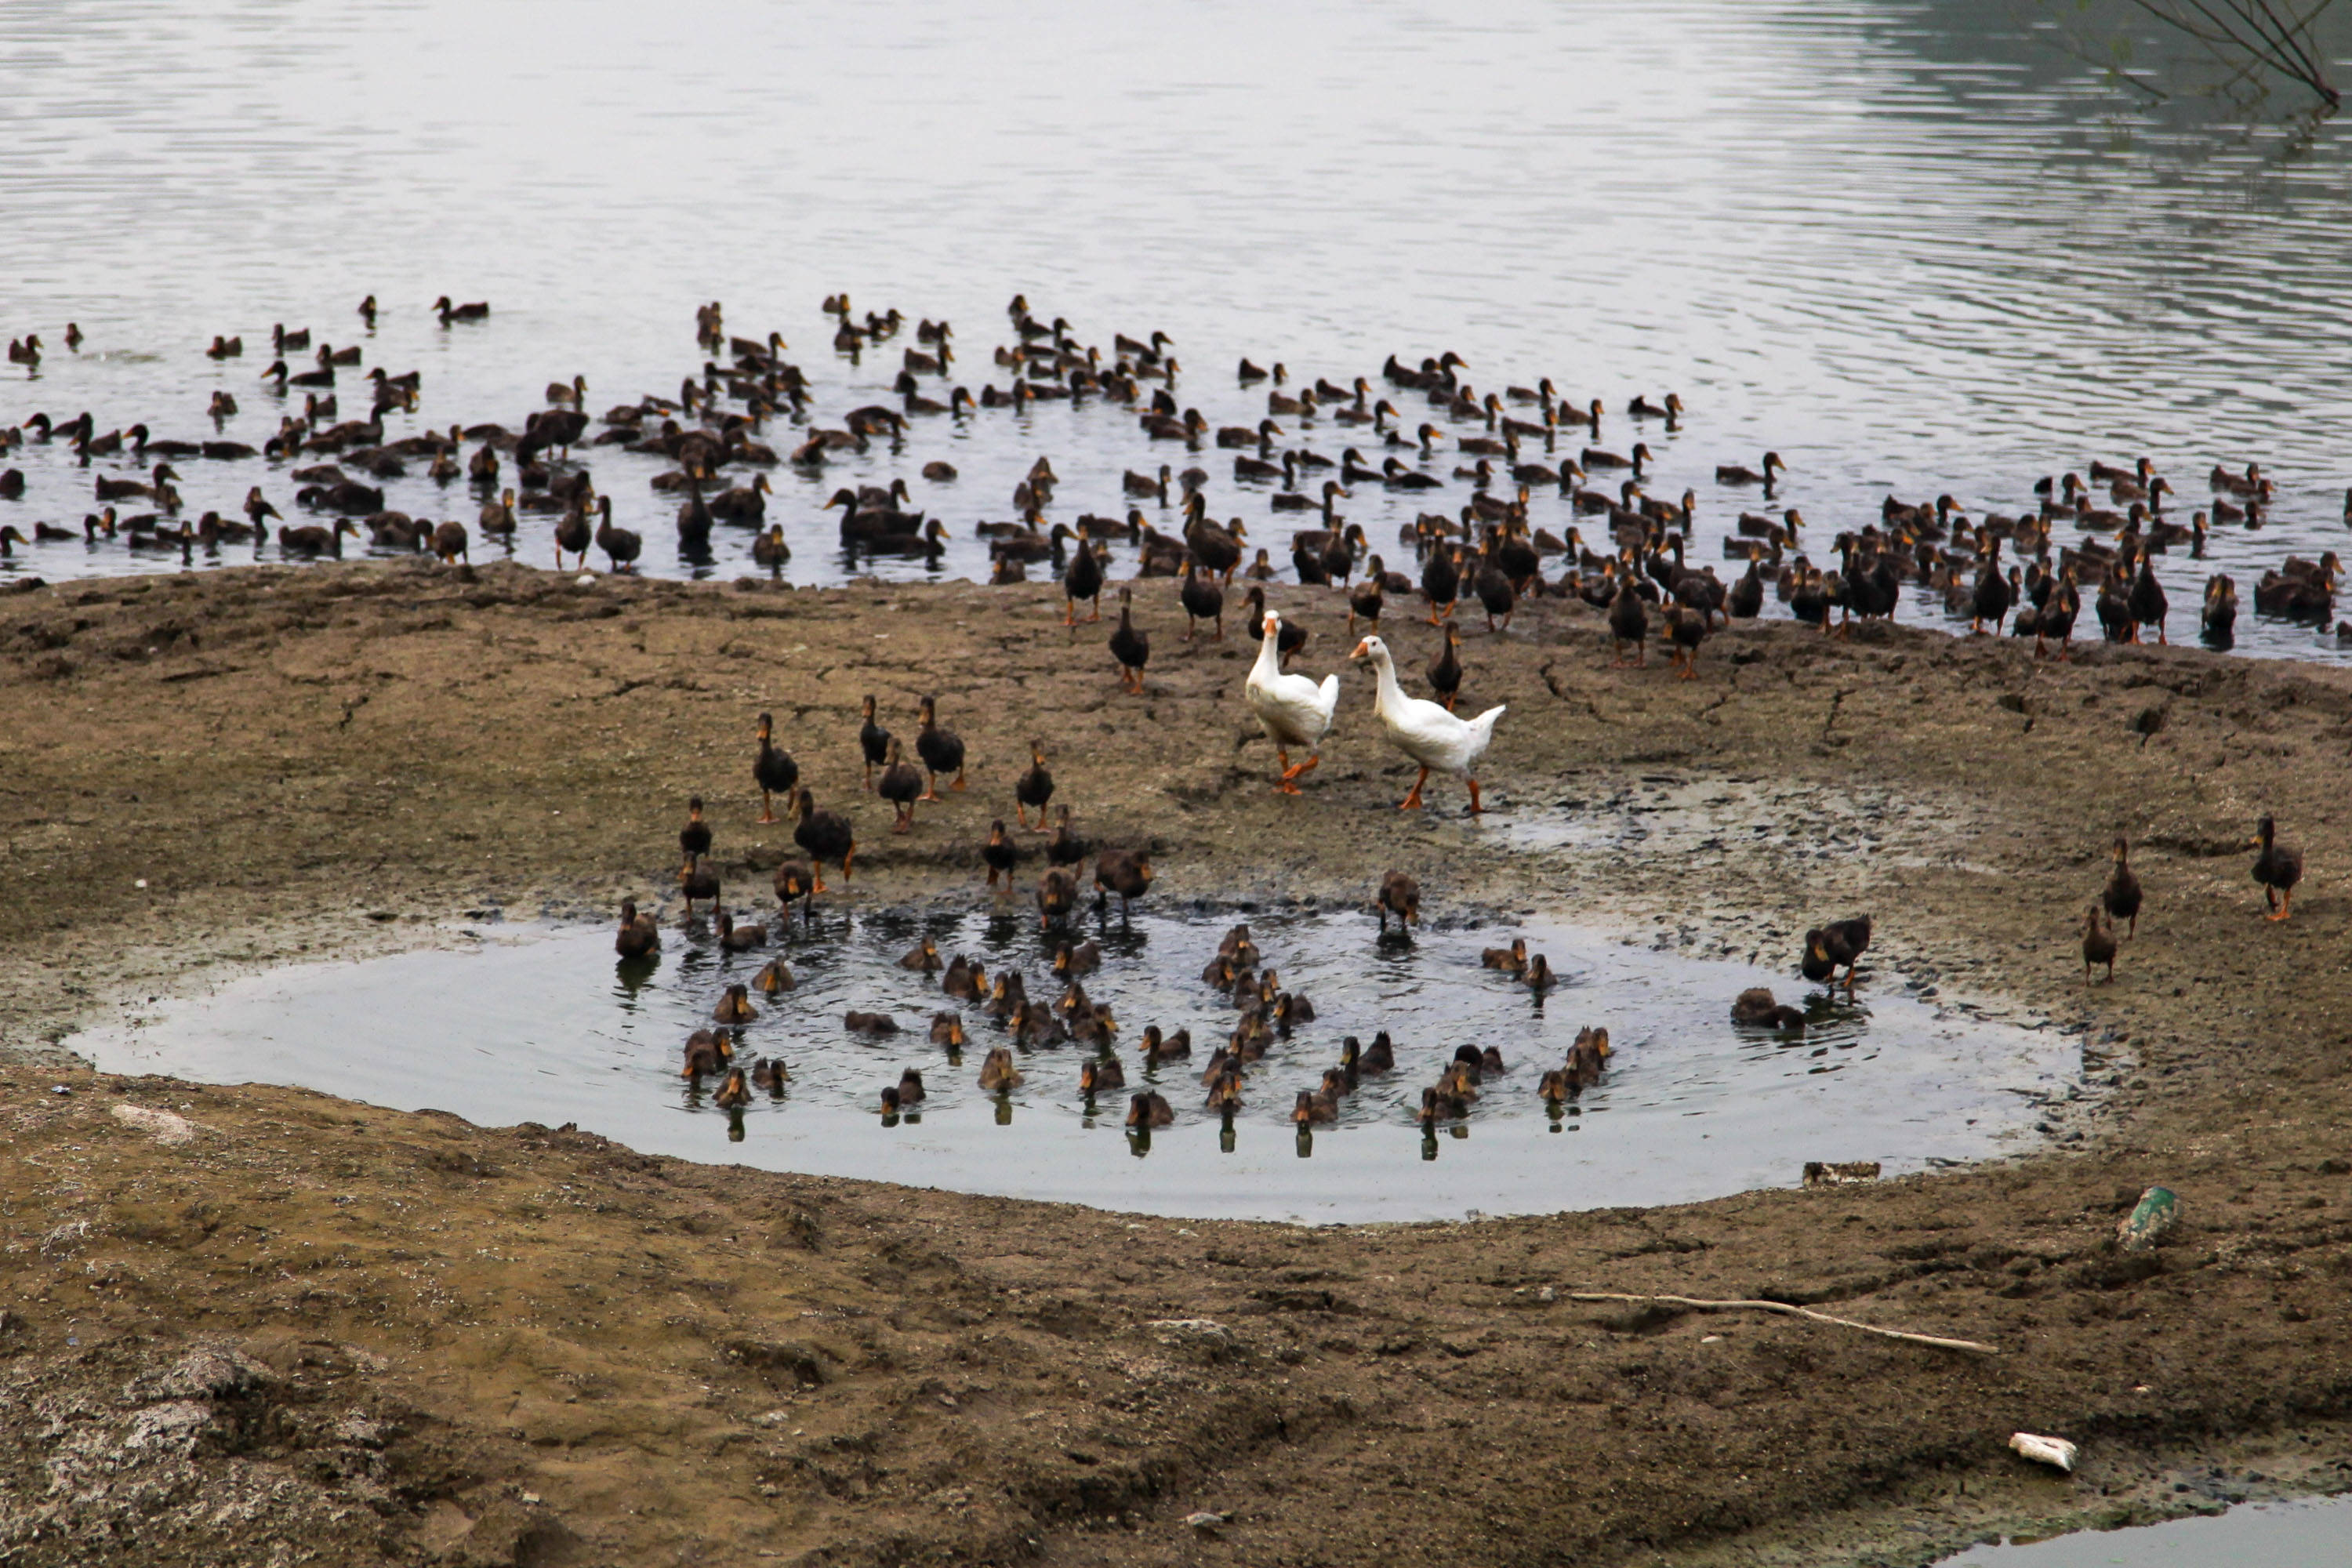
{"type": "Point", "coordinates": [1363, 649]}
{"type": "Point", "coordinates": [1272, 624]}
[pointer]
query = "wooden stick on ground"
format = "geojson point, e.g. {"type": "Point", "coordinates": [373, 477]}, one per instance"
{"type": "Point", "coordinates": [1784, 1307]}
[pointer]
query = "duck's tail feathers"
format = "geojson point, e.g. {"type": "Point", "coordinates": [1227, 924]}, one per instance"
{"type": "Point", "coordinates": [1482, 726]}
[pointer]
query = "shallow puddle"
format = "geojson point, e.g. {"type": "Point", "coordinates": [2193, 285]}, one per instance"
{"type": "Point", "coordinates": [541, 1023]}
{"type": "Point", "coordinates": [2315, 1533]}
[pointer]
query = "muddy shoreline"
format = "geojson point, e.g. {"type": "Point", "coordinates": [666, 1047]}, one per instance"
{"type": "Point", "coordinates": [671, 1358]}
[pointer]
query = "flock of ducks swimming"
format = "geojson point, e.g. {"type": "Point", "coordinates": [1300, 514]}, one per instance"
{"type": "Point", "coordinates": [1489, 553]}
{"type": "Point", "coordinates": [1238, 974]}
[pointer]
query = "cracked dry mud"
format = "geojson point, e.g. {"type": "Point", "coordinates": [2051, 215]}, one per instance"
{"type": "Point", "coordinates": [314, 1330]}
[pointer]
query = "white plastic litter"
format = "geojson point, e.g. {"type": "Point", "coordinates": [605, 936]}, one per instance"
{"type": "Point", "coordinates": [2044, 1450]}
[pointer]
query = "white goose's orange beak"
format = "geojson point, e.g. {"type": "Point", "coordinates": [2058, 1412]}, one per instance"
{"type": "Point", "coordinates": [1272, 624]}
{"type": "Point", "coordinates": [1363, 649]}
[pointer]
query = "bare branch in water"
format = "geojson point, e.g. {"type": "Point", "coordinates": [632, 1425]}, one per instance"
{"type": "Point", "coordinates": [2249, 34]}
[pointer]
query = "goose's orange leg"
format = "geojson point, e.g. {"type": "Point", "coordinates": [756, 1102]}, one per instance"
{"type": "Point", "coordinates": [1412, 801]}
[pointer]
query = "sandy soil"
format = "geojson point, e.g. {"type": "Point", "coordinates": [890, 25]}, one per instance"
{"type": "Point", "coordinates": [257, 1325]}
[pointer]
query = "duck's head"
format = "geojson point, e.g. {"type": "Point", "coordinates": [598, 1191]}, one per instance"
{"type": "Point", "coordinates": [767, 726]}
{"type": "Point", "coordinates": [891, 1101]}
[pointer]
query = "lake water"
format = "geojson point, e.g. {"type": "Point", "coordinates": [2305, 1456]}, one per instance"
{"type": "Point", "coordinates": [1915, 247]}
{"type": "Point", "coordinates": [541, 1023]}
{"type": "Point", "coordinates": [2315, 1533]}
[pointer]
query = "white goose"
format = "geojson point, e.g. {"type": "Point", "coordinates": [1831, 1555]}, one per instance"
{"type": "Point", "coordinates": [1425, 732]}
{"type": "Point", "coordinates": [1292, 710]}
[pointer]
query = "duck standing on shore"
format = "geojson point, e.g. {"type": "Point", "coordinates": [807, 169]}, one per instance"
{"type": "Point", "coordinates": [2098, 944]}
{"type": "Point", "coordinates": [2121, 894]}
{"type": "Point", "coordinates": [940, 749]}
{"type": "Point", "coordinates": [772, 769]}
{"type": "Point", "coordinates": [1292, 710]}
{"type": "Point", "coordinates": [2278, 869]}
{"type": "Point", "coordinates": [1425, 732]}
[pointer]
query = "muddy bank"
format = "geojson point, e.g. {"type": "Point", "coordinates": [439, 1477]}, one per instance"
{"type": "Point", "coordinates": [430, 1322]}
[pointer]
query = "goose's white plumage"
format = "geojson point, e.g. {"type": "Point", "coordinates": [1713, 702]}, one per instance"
{"type": "Point", "coordinates": [1292, 710]}
{"type": "Point", "coordinates": [1425, 732]}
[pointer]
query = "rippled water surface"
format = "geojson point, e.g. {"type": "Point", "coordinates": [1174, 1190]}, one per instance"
{"type": "Point", "coordinates": [1913, 246]}
{"type": "Point", "coordinates": [541, 1024]}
